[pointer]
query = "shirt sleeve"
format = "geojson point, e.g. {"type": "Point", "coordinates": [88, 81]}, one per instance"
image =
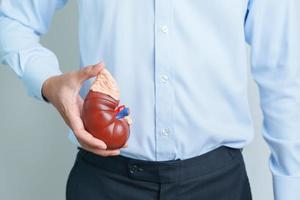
{"type": "Point", "coordinates": [22, 23]}
{"type": "Point", "coordinates": [273, 31]}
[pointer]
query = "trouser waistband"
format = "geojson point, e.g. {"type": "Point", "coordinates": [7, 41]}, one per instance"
{"type": "Point", "coordinates": [164, 171]}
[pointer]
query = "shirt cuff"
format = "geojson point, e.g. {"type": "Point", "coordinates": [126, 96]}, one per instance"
{"type": "Point", "coordinates": [286, 187]}
{"type": "Point", "coordinates": [38, 69]}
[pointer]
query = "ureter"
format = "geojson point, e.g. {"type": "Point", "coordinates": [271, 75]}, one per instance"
{"type": "Point", "coordinates": [128, 119]}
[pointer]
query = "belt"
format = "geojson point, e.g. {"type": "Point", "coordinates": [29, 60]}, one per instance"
{"type": "Point", "coordinates": [164, 171]}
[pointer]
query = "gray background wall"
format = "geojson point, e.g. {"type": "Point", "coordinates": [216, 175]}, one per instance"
{"type": "Point", "coordinates": [35, 153]}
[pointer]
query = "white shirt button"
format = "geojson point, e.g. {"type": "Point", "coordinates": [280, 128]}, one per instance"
{"type": "Point", "coordinates": [165, 131]}
{"type": "Point", "coordinates": [164, 29]}
{"type": "Point", "coordinates": [164, 79]}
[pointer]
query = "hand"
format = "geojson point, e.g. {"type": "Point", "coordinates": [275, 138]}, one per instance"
{"type": "Point", "coordinates": [63, 93]}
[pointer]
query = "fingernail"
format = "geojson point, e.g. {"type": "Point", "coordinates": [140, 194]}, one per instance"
{"type": "Point", "coordinates": [100, 63]}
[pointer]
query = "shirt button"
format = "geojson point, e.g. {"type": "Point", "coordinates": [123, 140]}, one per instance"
{"type": "Point", "coordinates": [164, 29]}
{"type": "Point", "coordinates": [164, 79]}
{"type": "Point", "coordinates": [165, 131]}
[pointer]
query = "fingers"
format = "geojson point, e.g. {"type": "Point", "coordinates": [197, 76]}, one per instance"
{"type": "Point", "coordinates": [88, 141]}
{"type": "Point", "coordinates": [90, 71]}
{"type": "Point", "coordinates": [95, 145]}
{"type": "Point", "coordinates": [73, 116]}
{"type": "Point", "coordinates": [104, 153]}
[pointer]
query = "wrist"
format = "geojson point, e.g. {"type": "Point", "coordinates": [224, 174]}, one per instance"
{"type": "Point", "coordinates": [45, 89]}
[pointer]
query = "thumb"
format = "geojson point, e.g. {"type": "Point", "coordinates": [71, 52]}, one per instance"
{"type": "Point", "coordinates": [90, 71]}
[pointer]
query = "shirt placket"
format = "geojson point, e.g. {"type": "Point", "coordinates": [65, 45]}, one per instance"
{"type": "Point", "coordinates": [164, 98]}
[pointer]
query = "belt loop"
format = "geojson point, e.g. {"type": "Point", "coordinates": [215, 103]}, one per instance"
{"type": "Point", "coordinates": [235, 152]}
{"type": "Point", "coordinates": [230, 151]}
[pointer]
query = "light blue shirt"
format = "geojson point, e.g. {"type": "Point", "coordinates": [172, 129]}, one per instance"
{"type": "Point", "coordinates": [181, 66]}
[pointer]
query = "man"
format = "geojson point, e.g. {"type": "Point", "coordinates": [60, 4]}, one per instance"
{"type": "Point", "coordinates": [182, 69]}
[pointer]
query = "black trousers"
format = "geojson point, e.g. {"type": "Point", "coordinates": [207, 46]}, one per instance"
{"type": "Point", "coordinates": [216, 175]}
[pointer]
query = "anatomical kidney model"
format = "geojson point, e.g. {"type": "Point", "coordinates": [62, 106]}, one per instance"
{"type": "Point", "coordinates": [102, 117]}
